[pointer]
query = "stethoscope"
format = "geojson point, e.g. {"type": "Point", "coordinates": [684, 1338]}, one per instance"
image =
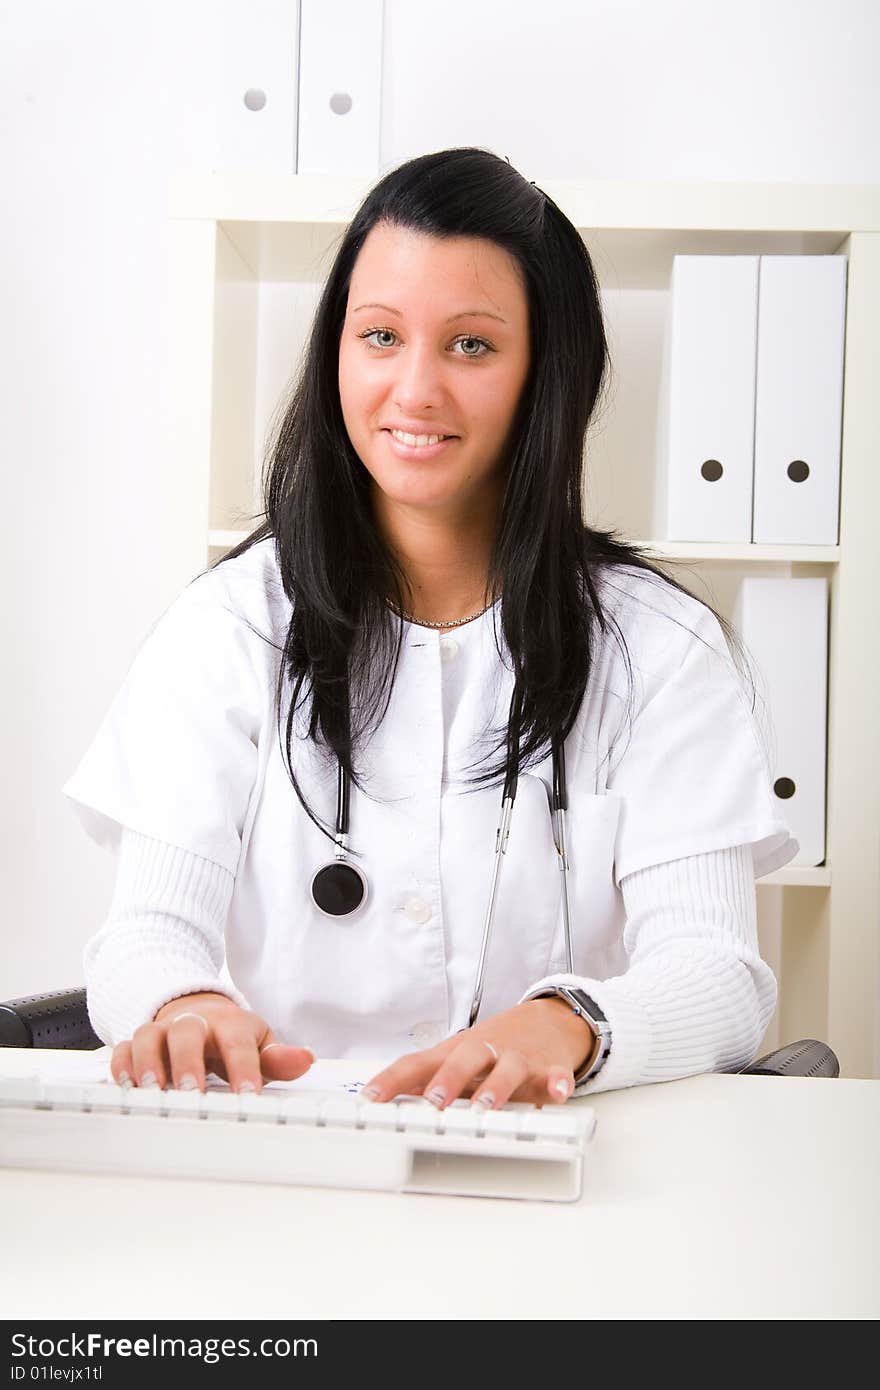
{"type": "Point", "coordinates": [340, 888]}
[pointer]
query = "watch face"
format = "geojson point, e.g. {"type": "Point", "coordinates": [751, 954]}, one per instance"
{"type": "Point", "coordinates": [589, 1006]}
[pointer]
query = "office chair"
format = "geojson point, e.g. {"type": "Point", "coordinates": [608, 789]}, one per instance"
{"type": "Point", "coordinates": [60, 1019]}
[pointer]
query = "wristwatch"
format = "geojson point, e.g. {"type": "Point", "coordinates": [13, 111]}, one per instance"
{"type": "Point", "coordinates": [588, 1009]}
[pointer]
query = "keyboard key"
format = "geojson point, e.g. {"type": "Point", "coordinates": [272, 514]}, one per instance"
{"type": "Point", "coordinates": [188, 1104]}
{"type": "Point", "coordinates": [20, 1090]}
{"type": "Point", "coordinates": [419, 1115]}
{"type": "Point", "coordinates": [460, 1121]}
{"type": "Point", "coordinates": [103, 1097]}
{"type": "Point", "coordinates": [66, 1095]}
{"type": "Point", "coordinates": [142, 1100]}
{"type": "Point", "coordinates": [300, 1108]}
{"type": "Point", "coordinates": [340, 1109]}
{"type": "Point", "coordinates": [381, 1114]}
{"type": "Point", "coordinates": [550, 1125]}
{"type": "Point", "coordinates": [503, 1122]}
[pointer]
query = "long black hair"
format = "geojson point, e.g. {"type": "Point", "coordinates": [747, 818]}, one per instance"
{"type": "Point", "coordinates": [342, 646]}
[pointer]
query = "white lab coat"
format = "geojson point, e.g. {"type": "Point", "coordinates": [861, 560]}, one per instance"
{"type": "Point", "coordinates": [189, 753]}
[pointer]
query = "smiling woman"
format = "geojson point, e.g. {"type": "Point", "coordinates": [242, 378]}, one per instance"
{"type": "Point", "coordinates": [443, 633]}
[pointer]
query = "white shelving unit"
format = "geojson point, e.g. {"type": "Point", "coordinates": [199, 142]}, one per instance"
{"type": "Point", "coordinates": [249, 254]}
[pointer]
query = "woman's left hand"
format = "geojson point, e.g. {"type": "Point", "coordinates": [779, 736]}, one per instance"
{"type": "Point", "coordinates": [538, 1047]}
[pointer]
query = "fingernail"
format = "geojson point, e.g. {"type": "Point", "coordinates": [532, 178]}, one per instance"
{"type": "Point", "coordinates": [562, 1087]}
{"type": "Point", "coordinates": [436, 1096]}
{"type": "Point", "coordinates": [485, 1101]}
{"type": "Point", "coordinates": [246, 1087]}
{"type": "Point", "coordinates": [148, 1081]}
{"type": "Point", "coordinates": [187, 1083]}
{"type": "Point", "coordinates": [309, 1050]}
{"type": "Point", "coordinates": [369, 1092]}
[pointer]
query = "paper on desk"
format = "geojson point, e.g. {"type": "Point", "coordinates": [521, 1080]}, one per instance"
{"type": "Point", "coordinates": [92, 1068]}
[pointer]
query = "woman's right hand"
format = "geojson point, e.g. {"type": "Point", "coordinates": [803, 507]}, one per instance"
{"type": "Point", "coordinates": [178, 1050]}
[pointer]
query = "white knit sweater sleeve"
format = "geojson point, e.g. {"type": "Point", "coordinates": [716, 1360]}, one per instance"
{"type": "Point", "coordinates": [696, 997]}
{"type": "Point", "coordinates": [163, 936]}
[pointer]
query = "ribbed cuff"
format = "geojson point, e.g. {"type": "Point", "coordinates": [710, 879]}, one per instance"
{"type": "Point", "coordinates": [163, 937]}
{"type": "Point", "coordinates": [697, 997]}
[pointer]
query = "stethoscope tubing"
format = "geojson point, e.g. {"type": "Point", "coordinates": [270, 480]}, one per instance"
{"type": "Point", "coordinates": [558, 808]}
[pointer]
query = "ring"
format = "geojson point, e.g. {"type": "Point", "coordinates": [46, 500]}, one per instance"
{"type": "Point", "coordinates": [202, 1021]}
{"type": "Point", "coordinates": [491, 1049]}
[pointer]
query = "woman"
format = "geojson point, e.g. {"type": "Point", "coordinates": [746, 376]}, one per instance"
{"type": "Point", "coordinates": [420, 622]}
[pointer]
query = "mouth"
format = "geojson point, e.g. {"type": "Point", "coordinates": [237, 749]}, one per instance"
{"type": "Point", "coordinates": [421, 446]}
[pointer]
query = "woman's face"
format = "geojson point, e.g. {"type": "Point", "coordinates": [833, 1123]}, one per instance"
{"type": "Point", "coordinates": [435, 341]}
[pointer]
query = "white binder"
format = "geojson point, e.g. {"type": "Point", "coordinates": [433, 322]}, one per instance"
{"type": "Point", "coordinates": [340, 86]}
{"type": "Point", "coordinates": [706, 420]}
{"type": "Point", "coordinates": [256, 100]}
{"type": "Point", "coordinates": [784, 624]}
{"type": "Point", "coordinates": [799, 398]}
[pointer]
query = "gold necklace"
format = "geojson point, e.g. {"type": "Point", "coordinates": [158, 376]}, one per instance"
{"type": "Point", "coordinates": [453, 622]}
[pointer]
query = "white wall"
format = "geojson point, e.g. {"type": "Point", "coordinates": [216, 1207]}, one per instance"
{"type": "Point", "coordinates": [99, 102]}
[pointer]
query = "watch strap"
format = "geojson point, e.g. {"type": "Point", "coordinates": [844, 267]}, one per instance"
{"type": "Point", "coordinates": [584, 1005]}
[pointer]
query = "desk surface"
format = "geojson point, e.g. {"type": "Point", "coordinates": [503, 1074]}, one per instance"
{"type": "Point", "coordinates": [712, 1197]}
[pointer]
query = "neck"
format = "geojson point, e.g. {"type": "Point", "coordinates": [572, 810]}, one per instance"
{"type": "Point", "coordinates": [445, 559]}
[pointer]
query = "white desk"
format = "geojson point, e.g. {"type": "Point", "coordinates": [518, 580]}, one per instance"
{"type": "Point", "coordinates": [712, 1197]}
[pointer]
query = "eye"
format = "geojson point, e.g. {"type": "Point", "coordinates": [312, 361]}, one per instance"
{"type": "Point", "coordinates": [372, 332]}
{"type": "Point", "coordinates": [482, 344]}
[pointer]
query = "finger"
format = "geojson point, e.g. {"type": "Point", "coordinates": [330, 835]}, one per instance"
{"type": "Point", "coordinates": [284, 1061]}
{"type": "Point", "coordinates": [148, 1056]}
{"type": "Point", "coordinates": [185, 1038]}
{"type": "Point", "coordinates": [509, 1074]}
{"type": "Point", "coordinates": [408, 1075]}
{"type": "Point", "coordinates": [467, 1062]}
{"type": "Point", "coordinates": [236, 1042]}
{"type": "Point", "coordinates": [560, 1084]}
{"type": "Point", "coordinates": [121, 1068]}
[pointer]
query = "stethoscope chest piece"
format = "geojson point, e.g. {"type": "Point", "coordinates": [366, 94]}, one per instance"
{"type": "Point", "coordinates": [339, 888]}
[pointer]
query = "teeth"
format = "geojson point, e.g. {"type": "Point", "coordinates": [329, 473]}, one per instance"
{"type": "Point", "coordinates": [418, 439]}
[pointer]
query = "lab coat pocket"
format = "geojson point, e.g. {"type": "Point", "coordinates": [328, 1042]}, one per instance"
{"type": "Point", "coordinates": [595, 903]}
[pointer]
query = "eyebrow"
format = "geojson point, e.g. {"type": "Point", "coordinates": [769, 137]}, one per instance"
{"type": "Point", "coordinates": [465, 313]}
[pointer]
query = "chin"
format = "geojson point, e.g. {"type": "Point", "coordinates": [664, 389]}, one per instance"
{"type": "Point", "coordinates": [418, 495]}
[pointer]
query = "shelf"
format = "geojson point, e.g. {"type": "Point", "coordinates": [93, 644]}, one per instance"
{"type": "Point", "coordinates": [745, 553]}
{"type": "Point", "coordinates": [798, 878]}
{"type": "Point", "coordinates": [225, 540]}
{"type": "Point", "coordinates": [286, 227]}
{"type": "Point", "coordinates": [609, 204]}
{"type": "Point", "coordinates": [673, 550]}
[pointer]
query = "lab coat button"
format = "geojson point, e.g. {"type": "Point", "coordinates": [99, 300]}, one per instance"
{"type": "Point", "coordinates": [417, 910]}
{"type": "Point", "coordinates": [448, 649]}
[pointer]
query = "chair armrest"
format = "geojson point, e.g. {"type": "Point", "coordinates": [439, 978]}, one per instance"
{"type": "Point", "coordinates": [59, 1019]}
{"type": "Point", "coordinates": [805, 1058]}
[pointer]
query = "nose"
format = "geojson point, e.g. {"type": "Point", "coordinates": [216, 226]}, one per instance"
{"type": "Point", "coordinates": [418, 382]}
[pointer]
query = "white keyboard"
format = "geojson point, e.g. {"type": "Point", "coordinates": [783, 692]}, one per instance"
{"type": "Point", "coordinates": [315, 1138]}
